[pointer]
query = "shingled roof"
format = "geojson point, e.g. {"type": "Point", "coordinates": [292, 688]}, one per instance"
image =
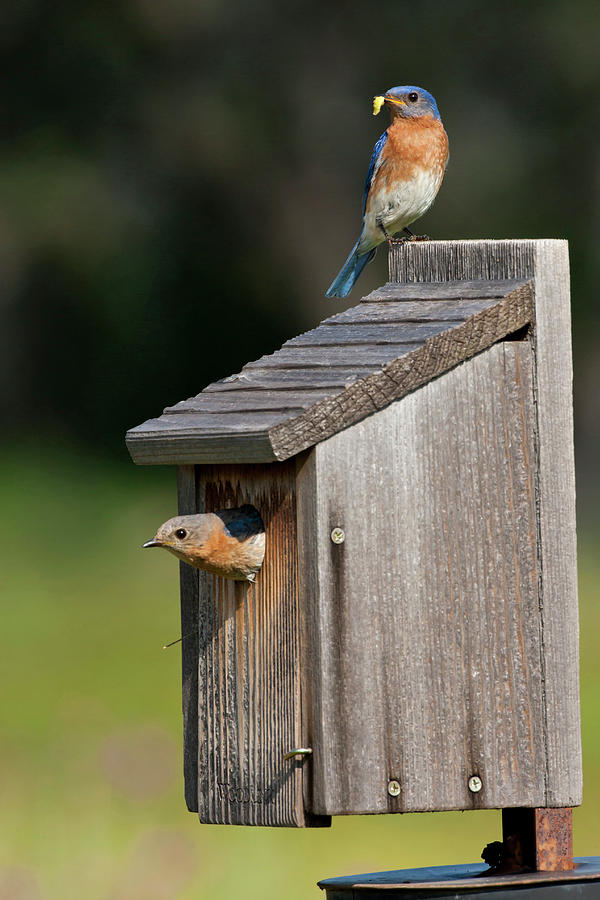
{"type": "Point", "coordinates": [395, 340]}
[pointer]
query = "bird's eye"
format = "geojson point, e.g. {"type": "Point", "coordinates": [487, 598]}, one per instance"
{"type": "Point", "coordinates": [181, 533]}
{"type": "Point", "coordinates": [413, 96]}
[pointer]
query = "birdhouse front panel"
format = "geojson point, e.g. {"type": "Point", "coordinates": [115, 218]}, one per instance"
{"type": "Point", "coordinates": [245, 667]}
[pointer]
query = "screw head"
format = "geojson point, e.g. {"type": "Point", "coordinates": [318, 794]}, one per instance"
{"type": "Point", "coordinates": [393, 788]}
{"type": "Point", "coordinates": [475, 784]}
{"type": "Point", "coordinates": [338, 536]}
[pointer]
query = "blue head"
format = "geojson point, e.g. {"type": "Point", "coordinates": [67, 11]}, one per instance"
{"type": "Point", "coordinates": [407, 101]}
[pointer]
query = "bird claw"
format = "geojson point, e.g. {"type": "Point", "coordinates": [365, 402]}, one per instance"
{"type": "Point", "coordinates": [411, 239]}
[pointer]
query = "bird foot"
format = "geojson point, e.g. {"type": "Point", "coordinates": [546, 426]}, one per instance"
{"type": "Point", "coordinates": [415, 237]}
{"type": "Point", "coordinates": [408, 236]}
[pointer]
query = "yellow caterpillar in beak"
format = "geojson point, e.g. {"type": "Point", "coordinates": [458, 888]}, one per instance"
{"type": "Point", "coordinates": [377, 104]}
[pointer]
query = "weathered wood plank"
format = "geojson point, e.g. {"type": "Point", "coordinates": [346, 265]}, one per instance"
{"type": "Point", "coordinates": [214, 422]}
{"type": "Point", "coordinates": [436, 495]}
{"type": "Point", "coordinates": [187, 505]}
{"type": "Point", "coordinates": [370, 355]}
{"type": "Point", "coordinates": [249, 697]}
{"type": "Point", "coordinates": [156, 448]}
{"type": "Point", "coordinates": [312, 670]}
{"type": "Point", "coordinates": [410, 311]}
{"type": "Point", "coordinates": [334, 334]}
{"type": "Point", "coordinates": [443, 288]}
{"type": "Point", "coordinates": [547, 262]}
{"type": "Point", "coordinates": [290, 379]}
{"type": "Point", "coordinates": [557, 531]}
{"type": "Point", "coordinates": [456, 261]}
{"type": "Point", "coordinates": [247, 400]}
{"type": "Point", "coordinates": [438, 355]}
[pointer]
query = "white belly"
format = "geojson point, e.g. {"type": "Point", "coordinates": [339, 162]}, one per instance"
{"type": "Point", "coordinates": [398, 207]}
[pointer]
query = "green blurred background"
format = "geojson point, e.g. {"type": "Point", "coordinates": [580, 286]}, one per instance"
{"type": "Point", "coordinates": [180, 181]}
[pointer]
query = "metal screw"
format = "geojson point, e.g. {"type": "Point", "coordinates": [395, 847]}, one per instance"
{"type": "Point", "coordinates": [338, 536]}
{"type": "Point", "coordinates": [393, 788]}
{"type": "Point", "coordinates": [475, 784]}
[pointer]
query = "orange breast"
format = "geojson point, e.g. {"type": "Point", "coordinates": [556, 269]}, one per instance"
{"type": "Point", "coordinates": [413, 144]}
{"type": "Point", "coordinates": [225, 555]}
{"type": "Point", "coordinates": [218, 549]}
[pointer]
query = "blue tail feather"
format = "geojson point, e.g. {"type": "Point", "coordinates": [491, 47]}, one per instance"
{"type": "Point", "coordinates": [346, 278]}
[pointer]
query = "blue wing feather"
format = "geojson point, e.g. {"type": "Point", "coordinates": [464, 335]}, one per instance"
{"type": "Point", "coordinates": [374, 157]}
{"type": "Point", "coordinates": [344, 281]}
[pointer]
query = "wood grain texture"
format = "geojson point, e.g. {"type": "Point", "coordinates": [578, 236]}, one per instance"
{"type": "Point", "coordinates": [159, 447]}
{"type": "Point", "coordinates": [424, 625]}
{"type": "Point", "coordinates": [290, 379]}
{"type": "Point", "coordinates": [430, 287]}
{"type": "Point", "coordinates": [398, 310]}
{"type": "Point", "coordinates": [249, 679]}
{"type": "Point", "coordinates": [437, 355]}
{"type": "Point", "coordinates": [557, 530]}
{"type": "Point", "coordinates": [216, 422]}
{"type": "Point", "coordinates": [247, 401]}
{"type": "Point", "coordinates": [188, 504]}
{"type": "Point", "coordinates": [371, 355]}
{"type": "Point", "coordinates": [548, 263]}
{"type": "Point", "coordinates": [464, 261]}
{"type": "Point", "coordinates": [334, 334]}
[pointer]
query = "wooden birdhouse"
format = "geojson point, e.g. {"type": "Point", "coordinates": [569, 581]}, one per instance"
{"type": "Point", "coordinates": [411, 640]}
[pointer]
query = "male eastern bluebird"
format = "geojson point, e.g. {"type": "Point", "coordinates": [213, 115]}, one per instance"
{"type": "Point", "coordinates": [228, 542]}
{"type": "Point", "coordinates": [405, 173]}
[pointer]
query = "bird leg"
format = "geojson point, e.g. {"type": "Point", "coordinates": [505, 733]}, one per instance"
{"type": "Point", "coordinates": [408, 235]}
{"type": "Point", "coordinates": [415, 237]}
{"type": "Point", "coordinates": [387, 236]}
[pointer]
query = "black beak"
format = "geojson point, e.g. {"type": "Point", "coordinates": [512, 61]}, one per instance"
{"type": "Point", "coordinates": [152, 543]}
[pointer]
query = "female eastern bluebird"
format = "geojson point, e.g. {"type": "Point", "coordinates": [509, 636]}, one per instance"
{"type": "Point", "coordinates": [228, 542]}
{"type": "Point", "coordinates": [405, 173]}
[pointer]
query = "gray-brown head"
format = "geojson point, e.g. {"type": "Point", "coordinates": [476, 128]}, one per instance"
{"type": "Point", "coordinates": [227, 542]}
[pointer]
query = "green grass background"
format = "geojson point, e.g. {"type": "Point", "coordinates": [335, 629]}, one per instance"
{"type": "Point", "coordinates": [90, 753]}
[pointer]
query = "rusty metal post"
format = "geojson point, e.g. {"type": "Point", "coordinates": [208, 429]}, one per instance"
{"type": "Point", "coordinates": [538, 839]}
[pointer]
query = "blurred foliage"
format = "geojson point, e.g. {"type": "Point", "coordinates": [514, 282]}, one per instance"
{"type": "Point", "coordinates": [181, 180]}
{"type": "Point", "coordinates": [90, 739]}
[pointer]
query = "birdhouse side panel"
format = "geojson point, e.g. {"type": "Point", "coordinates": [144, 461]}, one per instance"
{"type": "Point", "coordinates": [557, 522]}
{"type": "Point", "coordinates": [248, 685]}
{"type": "Point", "coordinates": [423, 623]}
